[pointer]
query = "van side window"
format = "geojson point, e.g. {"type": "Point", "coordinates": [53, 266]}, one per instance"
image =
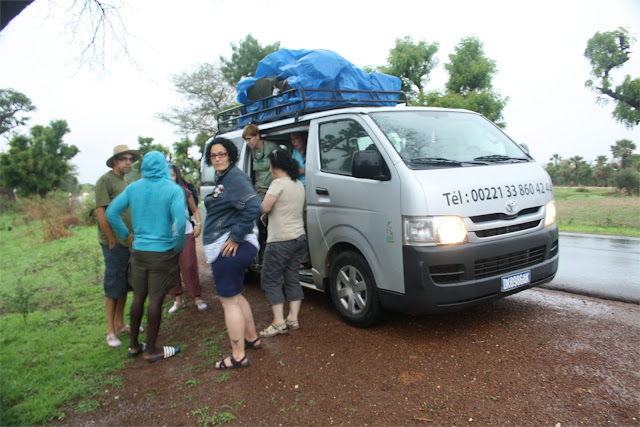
{"type": "Point", "coordinates": [338, 141]}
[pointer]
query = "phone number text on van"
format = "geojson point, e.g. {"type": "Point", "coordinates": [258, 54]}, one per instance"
{"type": "Point", "coordinates": [510, 191]}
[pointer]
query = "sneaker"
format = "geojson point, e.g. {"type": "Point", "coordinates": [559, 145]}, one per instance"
{"type": "Point", "coordinates": [176, 306]}
{"type": "Point", "coordinates": [202, 306]}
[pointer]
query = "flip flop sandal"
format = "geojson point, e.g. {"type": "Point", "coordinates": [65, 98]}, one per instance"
{"type": "Point", "coordinates": [253, 345]}
{"type": "Point", "coordinates": [143, 346]}
{"type": "Point", "coordinates": [293, 324]}
{"type": "Point", "coordinates": [113, 340]}
{"type": "Point", "coordinates": [272, 330]}
{"type": "Point", "coordinates": [234, 363]}
{"type": "Point", "coordinates": [168, 352]}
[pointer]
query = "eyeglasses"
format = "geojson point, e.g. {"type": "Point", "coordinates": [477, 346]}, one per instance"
{"type": "Point", "coordinates": [125, 159]}
{"type": "Point", "coordinates": [220, 155]}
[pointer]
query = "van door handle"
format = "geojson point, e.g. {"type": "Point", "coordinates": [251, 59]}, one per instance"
{"type": "Point", "coordinates": [322, 191]}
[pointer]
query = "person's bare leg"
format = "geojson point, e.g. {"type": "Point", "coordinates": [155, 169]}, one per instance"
{"type": "Point", "coordinates": [294, 310]}
{"type": "Point", "coordinates": [278, 314]}
{"type": "Point", "coordinates": [118, 316]}
{"type": "Point", "coordinates": [135, 317]}
{"type": "Point", "coordinates": [234, 318]}
{"type": "Point", "coordinates": [250, 332]}
{"type": "Point", "coordinates": [110, 308]}
{"type": "Point", "coordinates": [154, 317]}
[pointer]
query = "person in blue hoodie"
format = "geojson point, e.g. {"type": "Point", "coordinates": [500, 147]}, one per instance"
{"type": "Point", "coordinates": [157, 214]}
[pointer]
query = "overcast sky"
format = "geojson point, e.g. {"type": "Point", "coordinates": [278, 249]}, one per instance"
{"type": "Point", "coordinates": [538, 46]}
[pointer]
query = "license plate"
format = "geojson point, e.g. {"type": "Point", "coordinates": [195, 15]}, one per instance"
{"type": "Point", "coordinates": [516, 280]}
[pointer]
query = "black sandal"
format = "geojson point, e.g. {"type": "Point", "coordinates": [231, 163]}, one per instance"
{"type": "Point", "coordinates": [234, 363]}
{"type": "Point", "coordinates": [253, 345]}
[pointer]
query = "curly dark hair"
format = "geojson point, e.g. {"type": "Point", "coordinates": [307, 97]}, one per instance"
{"type": "Point", "coordinates": [228, 145]}
{"type": "Point", "coordinates": [281, 159]}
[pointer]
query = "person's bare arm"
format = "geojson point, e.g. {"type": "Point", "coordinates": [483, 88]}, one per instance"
{"type": "Point", "coordinates": [197, 229]}
{"type": "Point", "coordinates": [103, 223]}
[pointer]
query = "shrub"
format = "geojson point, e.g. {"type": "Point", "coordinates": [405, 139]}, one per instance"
{"type": "Point", "coordinates": [628, 180]}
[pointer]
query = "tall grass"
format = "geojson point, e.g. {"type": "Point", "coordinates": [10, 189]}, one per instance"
{"type": "Point", "coordinates": [597, 210]}
{"type": "Point", "coordinates": [56, 351]}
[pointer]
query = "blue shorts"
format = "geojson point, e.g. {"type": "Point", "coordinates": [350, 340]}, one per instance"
{"type": "Point", "coordinates": [116, 267]}
{"type": "Point", "coordinates": [228, 271]}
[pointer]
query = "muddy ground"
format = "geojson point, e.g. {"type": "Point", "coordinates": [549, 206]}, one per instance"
{"type": "Point", "coordinates": [541, 357]}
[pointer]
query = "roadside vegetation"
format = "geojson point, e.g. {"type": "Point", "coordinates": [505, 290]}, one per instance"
{"type": "Point", "coordinates": [597, 210]}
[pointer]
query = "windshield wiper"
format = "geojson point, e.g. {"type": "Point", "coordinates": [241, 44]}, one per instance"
{"type": "Point", "coordinates": [435, 161]}
{"type": "Point", "coordinates": [500, 158]}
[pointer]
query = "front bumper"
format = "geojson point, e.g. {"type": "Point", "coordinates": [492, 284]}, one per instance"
{"type": "Point", "coordinates": [449, 278]}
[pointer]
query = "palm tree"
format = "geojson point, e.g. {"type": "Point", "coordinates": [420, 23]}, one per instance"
{"type": "Point", "coordinates": [623, 149]}
{"type": "Point", "coordinates": [555, 159]}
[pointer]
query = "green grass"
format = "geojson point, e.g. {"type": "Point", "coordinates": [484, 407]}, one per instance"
{"type": "Point", "coordinates": [597, 210]}
{"type": "Point", "coordinates": [57, 352]}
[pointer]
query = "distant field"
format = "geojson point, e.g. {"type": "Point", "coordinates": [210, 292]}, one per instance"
{"type": "Point", "coordinates": [597, 210]}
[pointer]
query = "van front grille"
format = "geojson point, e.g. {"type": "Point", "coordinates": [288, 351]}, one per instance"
{"type": "Point", "coordinates": [508, 229]}
{"type": "Point", "coordinates": [508, 263]}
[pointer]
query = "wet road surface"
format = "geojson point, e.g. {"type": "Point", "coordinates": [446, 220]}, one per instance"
{"type": "Point", "coordinates": [602, 266]}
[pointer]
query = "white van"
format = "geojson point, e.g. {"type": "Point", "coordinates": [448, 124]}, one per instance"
{"type": "Point", "coordinates": [414, 209]}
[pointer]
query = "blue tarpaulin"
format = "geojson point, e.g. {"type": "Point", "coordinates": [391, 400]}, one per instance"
{"type": "Point", "coordinates": [317, 69]}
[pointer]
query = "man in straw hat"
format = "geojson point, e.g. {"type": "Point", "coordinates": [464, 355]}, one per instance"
{"type": "Point", "coordinates": [114, 249]}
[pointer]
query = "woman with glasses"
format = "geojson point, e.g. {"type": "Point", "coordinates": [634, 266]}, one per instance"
{"type": "Point", "coordinates": [230, 246]}
{"type": "Point", "coordinates": [286, 242]}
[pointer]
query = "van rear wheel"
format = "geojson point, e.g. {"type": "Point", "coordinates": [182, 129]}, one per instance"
{"type": "Point", "coordinates": [353, 290]}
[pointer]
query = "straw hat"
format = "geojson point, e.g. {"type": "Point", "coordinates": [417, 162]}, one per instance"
{"type": "Point", "coordinates": [123, 149]}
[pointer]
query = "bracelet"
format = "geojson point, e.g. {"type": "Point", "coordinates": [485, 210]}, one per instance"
{"type": "Point", "coordinates": [197, 223]}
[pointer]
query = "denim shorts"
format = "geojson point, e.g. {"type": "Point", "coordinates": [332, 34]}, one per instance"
{"type": "Point", "coordinates": [228, 271]}
{"type": "Point", "coordinates": [116, 267]}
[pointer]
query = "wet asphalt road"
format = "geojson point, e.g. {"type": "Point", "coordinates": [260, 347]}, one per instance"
{"type": "Point", "coordinates": [606, 267]}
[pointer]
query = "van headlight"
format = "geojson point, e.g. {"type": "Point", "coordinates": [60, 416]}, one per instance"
{"type": "Point", "coordinates": [435, 230]}
{"type": "Point", "coordinates": [550, 216]}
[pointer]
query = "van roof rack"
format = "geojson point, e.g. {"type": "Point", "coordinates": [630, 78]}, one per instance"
{"type": "Point", "coordinates": [296, 102]}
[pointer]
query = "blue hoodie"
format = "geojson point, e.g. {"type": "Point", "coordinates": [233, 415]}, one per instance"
{"type": "Point", "coordinates": [157, 208]}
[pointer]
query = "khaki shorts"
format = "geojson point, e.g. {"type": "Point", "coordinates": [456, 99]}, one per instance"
{"type": "Point", "coordinates": [153, 273]}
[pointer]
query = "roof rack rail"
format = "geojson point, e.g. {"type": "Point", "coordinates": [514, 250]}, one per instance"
{"type": "Point", "coordinates": [296, 102]}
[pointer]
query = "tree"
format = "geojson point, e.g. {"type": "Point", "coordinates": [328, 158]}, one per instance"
{"type": "Point", "coordinates": [244, 59]}
{"type": "Point", "coordinates": [206, 93]}
{"type": "Point", "coordinates": [13, 103]}
{"type": "Point", "coordinates": [576, 163]}
{"type": "Point", "coordinates": [469, 85]}
{"type": "Point", "coordinates": [602, 170]}
{"type": "Point", "coordinates": [628, 180]}
{"type": "Point", "coordinates": [606, 52]}
{"type": "Point", "coordinates": [555, 159]}
{"type": "Point", "coordinates": [622, 150]}
{"type": "Point", "coordinates": [412, 63]}
{"type": "Point", "coordinates": [37, 163]}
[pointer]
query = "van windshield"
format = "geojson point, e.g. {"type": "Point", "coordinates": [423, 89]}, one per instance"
{"type": "Point", "coordinates": [447, 138]}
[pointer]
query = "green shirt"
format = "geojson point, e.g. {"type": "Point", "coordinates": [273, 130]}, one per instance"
{"type": "Point", "coordinates": [107, 188]}
{"type": "Point", "coordinates": [261, 164]}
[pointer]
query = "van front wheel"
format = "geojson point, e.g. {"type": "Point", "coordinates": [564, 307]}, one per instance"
{"type": "Point", "coordinates": [353, 290]}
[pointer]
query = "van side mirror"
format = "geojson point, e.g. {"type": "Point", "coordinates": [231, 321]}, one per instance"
{"type": "Point", "coordinates": [525, 147]}
{"type": "Point", "coordinates": [368, 164]}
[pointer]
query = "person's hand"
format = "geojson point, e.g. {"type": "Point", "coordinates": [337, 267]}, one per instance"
{"type": "Point", "coordinates": [130, 239]}
{"type": "Point", "coordinates": [263, 218]}
{"type": "Point", "coordinates": [229, 248]}
{"type": "Point", "coordinates": [197, 229]}
{"type": "Point", "coordinates": [112, 242]}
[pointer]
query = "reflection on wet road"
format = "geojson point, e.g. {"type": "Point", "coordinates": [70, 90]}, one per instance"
{"type": "Point", "coordinates": [601, 266]}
